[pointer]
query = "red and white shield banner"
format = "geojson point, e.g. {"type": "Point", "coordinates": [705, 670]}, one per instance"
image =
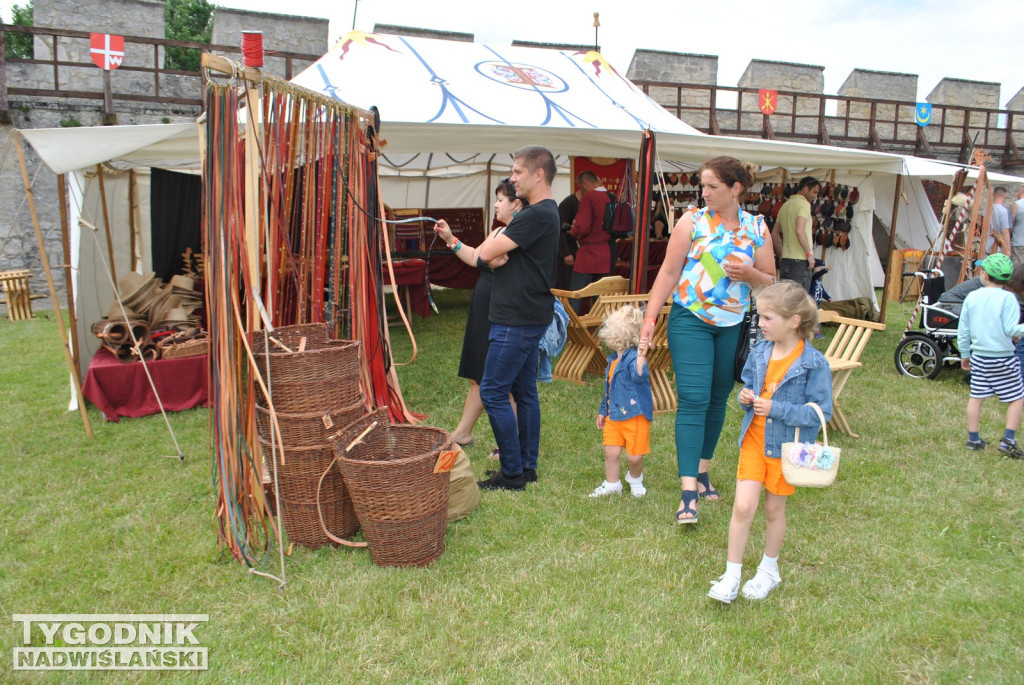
{"type": "Point", "coordinates": [767, 100]}
{"type": "Point", "coordinates": [106, 50]}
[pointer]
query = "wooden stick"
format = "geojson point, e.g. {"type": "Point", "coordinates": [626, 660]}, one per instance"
{"type": "Point", "coordinates": [892, 243]}
{"type": "Point", "coordinates": [282, 345]}
{"type": "Point", "coordinates": [106, 222]}
{"type": "Point", "coordinates": [360, 437]}
{"type": "Point", "coordinates": [133, 208]}
{"type": "Point", "coordinates": [68, 286]}
{"type": "Point", "coordinates": [53, 288]}
{"type": "Point", "coordinates": [972, 228]}
{"type": "Point", "coordinates": [253, 185]}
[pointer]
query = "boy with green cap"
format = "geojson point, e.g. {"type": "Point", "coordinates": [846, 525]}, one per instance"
{"type": "Point", "coordinates": [988, 325]}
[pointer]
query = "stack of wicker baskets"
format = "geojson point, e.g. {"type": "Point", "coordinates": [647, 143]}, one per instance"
{"type": "Point", "coordinates": [401, 502]}
{"type": "Point", "coordinates": [314, 384]}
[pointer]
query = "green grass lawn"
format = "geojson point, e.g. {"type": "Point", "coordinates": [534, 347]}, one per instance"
{"type": "Point", "coordinates": [909, 569]}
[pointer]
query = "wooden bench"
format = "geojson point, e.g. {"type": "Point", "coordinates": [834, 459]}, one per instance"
{"type": "Point", "coordinates": [582, 352]}
{"type": "Point", "coordinates": [18, 296]}
{"type": "Point", "coordinates": [659, 361]}
{"type": "Point", "coordinates": [843, 356]}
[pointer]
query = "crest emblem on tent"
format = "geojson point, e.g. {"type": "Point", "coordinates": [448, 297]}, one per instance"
{"type": "Point", "coordinates": [521, 76]}
{"type": "Point", "coordinates": [768, 100]}
{"type": "Point", "coordinates": [923, 113]}
{"type": "Point", "coordinates": [106, 50]}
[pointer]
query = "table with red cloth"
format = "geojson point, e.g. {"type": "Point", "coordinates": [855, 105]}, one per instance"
{"type": "Point", "coordinates": [121, 388]}
{"type": "Point", "coordinates": [411, 283]}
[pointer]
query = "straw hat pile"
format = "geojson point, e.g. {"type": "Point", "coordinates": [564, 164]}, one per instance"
{"type": "Point", "coordinates": [149, 304]}
{"type": "Point", "coordinates": [161, 305]}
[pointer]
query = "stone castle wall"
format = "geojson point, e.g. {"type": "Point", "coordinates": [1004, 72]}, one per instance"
{"type": "Point", "coordinates": [141, 18]}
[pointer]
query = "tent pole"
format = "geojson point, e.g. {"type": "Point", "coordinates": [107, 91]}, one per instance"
{"type": "Point", "coordinates": [253, 144]}
{"type": "Point", "coordinates": [487, 198]}
{"type": "Point", "coordinates": [66, 244]}
{"type": "Point", "coordinates": [106, 221]}
{"type": "Point", "coordinates": [426, 191]}
{"type": "Point", "coordinates": [133, 206]}
{"type": "Point", "coordinates": [892, 243]}
{"type": "Point", "coordinates": [49, 283]}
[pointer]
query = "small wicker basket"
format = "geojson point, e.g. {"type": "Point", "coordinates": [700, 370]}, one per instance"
{"type": "Point", "coordinates": [795, 453]}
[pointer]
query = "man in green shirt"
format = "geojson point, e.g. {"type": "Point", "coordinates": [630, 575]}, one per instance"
{"type": "Point", "coordinates": [793, 231]}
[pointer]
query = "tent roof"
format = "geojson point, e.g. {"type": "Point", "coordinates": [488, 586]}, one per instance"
{"type": "Point", "coordinates": [169, 146]}
{"type": "Point", "coordinates": [938, 170]}
{"type": "Point", "coordinates": [453, 97]}
{"type": "Point", "coordinates": [427, 81]}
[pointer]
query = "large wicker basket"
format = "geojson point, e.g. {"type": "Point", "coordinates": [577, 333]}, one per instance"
{"type": "Point", "coordinates": [298, 479]}
{"type": "Point", "coordinates": [401, 503]}
{"type": "Point", "coordinates": [309, 429]}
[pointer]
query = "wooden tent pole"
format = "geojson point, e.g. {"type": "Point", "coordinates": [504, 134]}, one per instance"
{"type": "Point", "coordinates": [133, 207]}
{"type": "Point", "coordinates": [65, 240]}
{"type": "Point", "coordinates": [106, 221]}
{"type": "Point", "coordinates": [253, 131]}
{"type": "Point", "coordinates": [53, 288]}
{"type": "Point", "coordinates": [892, 243]}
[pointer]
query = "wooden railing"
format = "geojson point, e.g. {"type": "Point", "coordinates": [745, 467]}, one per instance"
{"type": "Point", "coordinates": [856, 122]}
{"type": "Point", "coordinates": [55, 39]}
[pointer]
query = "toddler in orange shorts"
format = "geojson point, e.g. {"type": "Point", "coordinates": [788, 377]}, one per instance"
{"type": "Point", "coordinates": [627, 406]}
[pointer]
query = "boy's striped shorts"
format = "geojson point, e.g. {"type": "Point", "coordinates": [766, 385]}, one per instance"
{"type": "Point", "coordinates": [999, 376]}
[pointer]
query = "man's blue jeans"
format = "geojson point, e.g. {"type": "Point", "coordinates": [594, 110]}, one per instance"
{"type": "Point", "coordinates": [511, 367]}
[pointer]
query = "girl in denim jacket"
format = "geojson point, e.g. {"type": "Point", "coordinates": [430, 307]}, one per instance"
{"type": "Point", "coordinates": [781, 375]}
{"type": "Point", "coordinates": [627, 406]}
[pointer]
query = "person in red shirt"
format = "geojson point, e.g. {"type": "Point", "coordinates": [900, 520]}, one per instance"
{"type": "Point", "coordinates": [594, 256]}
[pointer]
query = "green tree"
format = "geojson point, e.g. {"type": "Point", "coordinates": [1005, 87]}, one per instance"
{"type": "Point", "coordinates": [19, 45]}
{"type": "Point", "coordinates": [190, 20]}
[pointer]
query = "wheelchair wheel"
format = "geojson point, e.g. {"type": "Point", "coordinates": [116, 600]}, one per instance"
{"type": "Point", "coordinates": [918, 356]}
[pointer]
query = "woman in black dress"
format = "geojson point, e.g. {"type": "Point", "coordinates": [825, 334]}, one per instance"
{"type": "Point", "coordinates": [478, 327]}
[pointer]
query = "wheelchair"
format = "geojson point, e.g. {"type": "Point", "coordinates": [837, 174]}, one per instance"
{"type": "Point", "coordinates": [923, 353]}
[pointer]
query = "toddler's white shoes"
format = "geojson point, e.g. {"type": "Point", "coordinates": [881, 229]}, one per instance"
{"type": "Point", "coordinates": [606, 488]}
{"type": "Point", "coordinates": [636, 485]}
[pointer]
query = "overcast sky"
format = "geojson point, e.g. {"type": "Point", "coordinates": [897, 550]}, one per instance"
{"type": "Point", "coordinates": [982, 40]}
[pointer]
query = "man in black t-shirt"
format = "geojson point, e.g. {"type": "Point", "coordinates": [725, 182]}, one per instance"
{"type": "Point", "coordinates": [522, 307]}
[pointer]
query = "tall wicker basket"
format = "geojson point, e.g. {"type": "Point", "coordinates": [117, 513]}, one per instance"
{"type": "Point", "coordinates": [401, 503]}
{"type": "Point", "coordinates": [298, 479]}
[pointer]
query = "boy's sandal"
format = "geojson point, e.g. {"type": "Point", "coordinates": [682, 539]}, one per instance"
{"type": "Point", "coordinates": [494, 454]}
{"type": "Point", "coordinates": [689, 499]}
{"type": "Point", "coordinates": [705, 480]}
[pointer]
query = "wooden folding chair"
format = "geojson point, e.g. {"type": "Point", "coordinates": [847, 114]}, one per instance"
{"type": "Point", "coordinates": [659, 361]}
{"type": "Point", "coordinates": [14, 285]}
{"type": "Point", "coordinates": [580, 346]}
{"type": "Point", "coordinates": [843, 356]}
